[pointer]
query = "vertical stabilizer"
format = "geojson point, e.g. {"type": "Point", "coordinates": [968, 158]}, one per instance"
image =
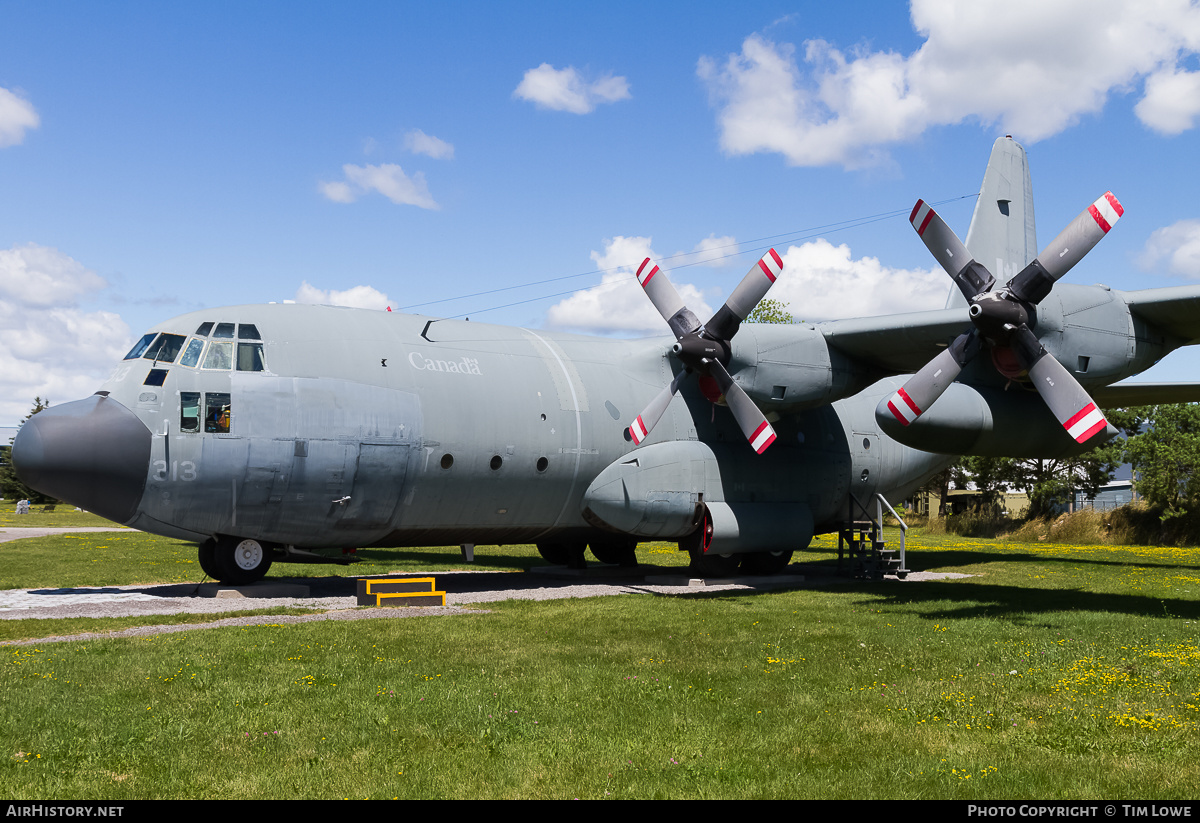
{"type": "Point", "coordinates": [1002, 234]}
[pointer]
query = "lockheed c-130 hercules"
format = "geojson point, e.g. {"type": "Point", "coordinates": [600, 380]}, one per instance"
{"type": "Point", "coordinates": [263, 432]}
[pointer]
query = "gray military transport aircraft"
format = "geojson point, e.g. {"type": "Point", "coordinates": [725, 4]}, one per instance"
{"type": "Point", "coordinates": [265, 432]}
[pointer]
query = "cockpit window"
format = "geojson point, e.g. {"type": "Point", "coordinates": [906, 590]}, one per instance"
{"type": "Point", "coordinates": [140, 346]}
{"type": "Point", "coordinates": [220, 356]}
{"type": "Point", "coordinates": [189, 411]}
{"type": "Point", "coordinates": [191, 355]}
{"type": "Point", "coordinates": [248, 331]}
{"type": "Point", "coordinates": [216, 412]}
{"type": "Point", "coordinates": [165, 348]}
{"type": "Point", "coordinates": [204, 329]}
{"type": "Point", "coordinates": [250, 357]}
{"type": "Point", "coordinates": [224, 331]}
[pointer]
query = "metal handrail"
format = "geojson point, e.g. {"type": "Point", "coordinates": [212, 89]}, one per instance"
{"type": "Point", "coordinates": [880, 502]}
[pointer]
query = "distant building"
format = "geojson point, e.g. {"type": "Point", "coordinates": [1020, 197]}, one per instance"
{"type": "Point", "coordinates": [1114, 494]}
{"type": "Point", "coordinates": [1012, 504]}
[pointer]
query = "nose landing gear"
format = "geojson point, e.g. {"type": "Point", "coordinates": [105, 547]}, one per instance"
{"type": "Point", "coordinates": [235, 561]}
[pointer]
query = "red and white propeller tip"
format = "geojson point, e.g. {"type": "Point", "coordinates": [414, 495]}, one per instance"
{"type": "Point", "coordinates": [771, 264]}
{"type": "Point", "coordinates": [645, 272]}
{"type": "Point", "coordinates": [1106, 211]}
{"type": "Point", "coordinates": [1087, 422]}
{"type": "Point", "coordinates": [763, 437]}
{"type": "Point", "coordinates": [902, 406]}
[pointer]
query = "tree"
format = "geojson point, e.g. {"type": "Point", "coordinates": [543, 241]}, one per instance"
{"type": "Point", "coordinates": [10, 486]}
{"type": "Point", "coordinates": [770, 311]}
{"type": "Point", "coordinates": [1050, 483]}
{"type": "Point", "coordinates": [1165, 456]}
{"type": "Point", "coordinates": [989, 475]}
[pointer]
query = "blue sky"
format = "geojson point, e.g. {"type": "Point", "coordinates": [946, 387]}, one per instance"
{"type": "Point", "coordinates": [159, 158]}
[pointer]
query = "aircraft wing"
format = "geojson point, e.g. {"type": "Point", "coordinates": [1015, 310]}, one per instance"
{"type": "Point", "coordinates": [1124, 395]}
{"type": "Point", "coordinates": [1175, 310]}
{"type": "Point", "coordinates": [896, 342]}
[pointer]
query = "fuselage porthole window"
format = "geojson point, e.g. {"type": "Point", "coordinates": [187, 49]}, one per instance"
{"type": "Point", "coordinates": [204, 329]}
{"type": "Point", "coordinates": [220, 356]}
{"type": "Point", "coordinates": [191, 354]}
{"type": "Point", "coordinates": [224, 331]}
{"type": "Point", "coordinates": [141, 346]}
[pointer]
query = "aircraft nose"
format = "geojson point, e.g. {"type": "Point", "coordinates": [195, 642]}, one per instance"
{"type": "Point", "coordinates": [93, 453]}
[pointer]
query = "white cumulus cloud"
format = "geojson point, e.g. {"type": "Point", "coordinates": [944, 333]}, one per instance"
{"type": "Point", "coordinates": [387, 179]}
{"type": "Point", "coordinates": [49, 347]}
{"type": "Point", "coordinates": [17, 115]}
{"type": "Point", "coordinates": [821, 281]}
{"type": "Point", "coordinates": [358, 297]}
{"type": "Point", "coordinates": [1035, 68]}
{"type": "Point", "coordinates": [43, 277]}
{"type": "Point", "coordinates": [567, 90]}
{"type": "Point", "coordinates": [714, 251]}
{"type": "Point", "coordinates": [1177, 245]}
{"type": "Point", "coordinates": [619, 304]}
{"type": "Point", "coordinates": [1172, 101]}
{"type": "Point", "coordinates": [418, 142]}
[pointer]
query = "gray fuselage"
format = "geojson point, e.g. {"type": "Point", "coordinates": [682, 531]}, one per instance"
{"type": "Point", "coordinates": [361, 428]}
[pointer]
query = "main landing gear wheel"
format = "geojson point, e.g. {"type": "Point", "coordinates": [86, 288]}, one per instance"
{"type": "Point", "coordinates": [564, 554]}
{"type": "Point", "coordinates": [616, 551]}
{"type": "Point", "coordinates": [714, 565]}
{"type": "Point", "coordinates": [208, 559]}
{"type": "Point", "coordinates": [765, 562]}
{"type": "Point", "coordinates": [239, 562]}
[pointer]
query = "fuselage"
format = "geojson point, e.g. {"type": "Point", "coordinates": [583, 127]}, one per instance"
{"type": "Point", "coordinates": [322, 427]}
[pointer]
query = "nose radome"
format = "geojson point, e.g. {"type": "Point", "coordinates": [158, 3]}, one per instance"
{"type": "Point", "coordinates": [93, 453]}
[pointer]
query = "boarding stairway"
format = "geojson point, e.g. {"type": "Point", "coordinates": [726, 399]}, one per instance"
{"type": "Point", "coordinates": [399, 591]}
{"type": "Point", "coordinates": [862, 552]}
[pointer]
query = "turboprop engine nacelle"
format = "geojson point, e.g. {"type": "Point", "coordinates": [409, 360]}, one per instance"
{"type": "Point", "coordinates": [675, 491]}
{"type": "Point", "coordinates": [991, 422]}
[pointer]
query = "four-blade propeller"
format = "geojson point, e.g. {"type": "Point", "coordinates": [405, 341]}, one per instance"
{"type": "Point", "coordinates": [1002, 319]}
{"type": "Point", "coordinates": [705, 349]}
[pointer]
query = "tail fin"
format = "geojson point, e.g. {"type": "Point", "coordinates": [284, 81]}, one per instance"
{"type": "Point", "coordinates": [1002, 234]}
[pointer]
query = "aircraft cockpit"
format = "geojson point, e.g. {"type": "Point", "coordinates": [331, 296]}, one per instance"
{"type": "Point", "coordinates": [214, 346]}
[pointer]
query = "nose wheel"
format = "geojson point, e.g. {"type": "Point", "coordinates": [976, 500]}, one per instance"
{"type": "Point", "coordinates": [234, 561]}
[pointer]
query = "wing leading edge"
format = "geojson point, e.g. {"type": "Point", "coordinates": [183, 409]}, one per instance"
{"type": "Point", "coordinates": [1175, 311]}
{"type": "Point", "coordinates": [896, 343]}
{"type": "Point", "coordinates": [903, 343]}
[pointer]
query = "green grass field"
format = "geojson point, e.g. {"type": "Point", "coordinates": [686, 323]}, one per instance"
{"type": "Point", "coordinates": [1053, 672]}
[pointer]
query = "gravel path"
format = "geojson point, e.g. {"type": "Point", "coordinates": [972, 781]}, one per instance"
{"type": "Point", "coordinates": [334, 598]}
{"type": "Point", "coordinates": [14, 533]}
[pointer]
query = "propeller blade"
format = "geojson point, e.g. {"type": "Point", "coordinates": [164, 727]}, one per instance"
{"type": "Point", "coordinates": [1034, 282]}
{"type": "Point", "coordinates": [971, 277]}
{"type": "Point", "coordinates": [752, 421]}
{"type": "Point", "coordinates": [916, 396]}
{"type": "Point", "coordinates": [1068, 401]}
{"type": "Point", "coordinates": [666, 299]}
{"type": "Point", "coordinates": [640, 429]}
{"type": "Point", "coordinates": [753, 288]}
